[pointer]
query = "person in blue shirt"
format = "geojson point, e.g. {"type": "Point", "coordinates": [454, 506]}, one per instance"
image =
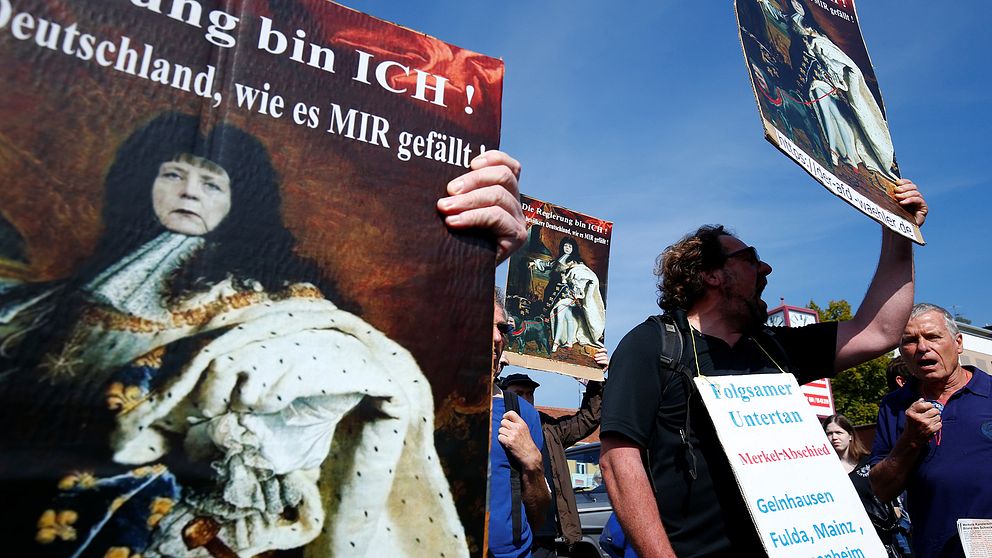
{"type": "Point", "coordinates": [934, 436]}
{"type": "Point", "coordinates": [516, 441]}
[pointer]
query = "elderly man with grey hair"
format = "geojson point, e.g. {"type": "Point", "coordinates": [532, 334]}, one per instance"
{"type": "Point", "coordinates": [934, 435]}
{"type": "Point", "coordinates": [518, 494]}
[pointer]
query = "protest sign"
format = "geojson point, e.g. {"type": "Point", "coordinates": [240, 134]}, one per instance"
{"type": "Point", "coordinates": [976, 537]}
{"type": "Point", "coordinates": [817, 392]}
{"type": "Point", "coordinates": [820, 102]}
{"type": "Point", "coordinates": [820, 397]}
{"type": "Point", "coordinates": [220, 272]}
{"type": "Point", "coordinates": [556, 291]}
{"type": "Point", "coordinates": [799, 498]}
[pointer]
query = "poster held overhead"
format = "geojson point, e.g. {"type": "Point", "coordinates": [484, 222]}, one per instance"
{"type": "Point", "coordinates": [220, 266]}
{"type": "Point", "coordinates": [556, 291]}
{"type": "Point", "coordinates": [820, 103]}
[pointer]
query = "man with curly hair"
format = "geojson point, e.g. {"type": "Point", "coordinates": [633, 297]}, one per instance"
{"type": "Point", "coordinates": [670, 483]}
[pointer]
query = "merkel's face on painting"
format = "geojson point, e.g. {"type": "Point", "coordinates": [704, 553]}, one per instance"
{"type": "Point", "coordinates": [191, 197]}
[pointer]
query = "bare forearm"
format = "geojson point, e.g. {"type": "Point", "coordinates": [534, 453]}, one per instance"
{"type": "Point", "coordinates": [515, 436]}
{"type": "Point", "coordinates": [634, 502]}
{"type": "Point", "coordinates": [535, 495]}
{"type": "Point", "coordinates": [883, 313]}
{"type": "Point", "coordinates": [891, 475]}
{"type": "Point", "coordinates": [890, 295]}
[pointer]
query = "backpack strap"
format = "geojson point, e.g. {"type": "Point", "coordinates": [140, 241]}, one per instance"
{"type": "Point", "coordinates": [670, 358]}
{"type": "Point", "coordinates": [670, 355]}
{"type": "Point", "coordinates": [512, 403]}
{"type": "Point", "coordinates": [671, 342]}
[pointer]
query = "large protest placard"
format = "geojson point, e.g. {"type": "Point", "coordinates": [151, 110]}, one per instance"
{"type": "Point", "coordinates": [220, 276]}
{"type": "Point", "coordinates": [556, 291]}
{"type": "Point", "coordinates": [820, 102]}
{"type": "Point", "coordinates": [795, 489]}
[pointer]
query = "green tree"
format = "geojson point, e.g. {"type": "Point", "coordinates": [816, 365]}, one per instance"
{"type": "Point", "coordinates": [857, 391]}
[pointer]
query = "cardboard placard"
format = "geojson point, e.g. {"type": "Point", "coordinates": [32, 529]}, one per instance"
{"type": "Point", "coordinates": [220, 267]}
{"type": "Point", "coordinates": [556, 291]}
{"type": "Point", "coordinates": [801, 502]}
{"type": "Point", "coordinates": [976, 537]}
{"type": "Point", "coordinates": [820, 102]}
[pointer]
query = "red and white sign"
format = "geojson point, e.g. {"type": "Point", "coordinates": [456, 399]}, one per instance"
{"type": "Point", "coordinates": [820, 397]}
{"type": "Point", "coordinates": [818, 393]}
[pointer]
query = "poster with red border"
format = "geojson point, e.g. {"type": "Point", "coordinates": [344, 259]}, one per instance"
{"type": "Point", "coordinates": [820, 102]}
{"type": "Point", "coordinates": [220, 267]}
{"type": "Point", "coordinates": [556, 291]}
{"type": "Point", "coordinates": [820, 396]}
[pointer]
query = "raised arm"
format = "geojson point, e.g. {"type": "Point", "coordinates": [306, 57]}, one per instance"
{"type": "Point", "coordinates": [488, 198]}
{"type": "Point", "coordinates": [573, 428]}
{"type": "Point", "coordinates": [883, 313]}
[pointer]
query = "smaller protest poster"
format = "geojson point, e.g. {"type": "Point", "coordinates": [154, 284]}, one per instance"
{"type": "Point", "coordinates": [820, 397]}
{"type": "Point", "coordinates": [976, 537]}
{"type": "Point", "coordinates": [820, 102]}
{"type": "Point", "coordinates": [793, 484]}
{"type": "Point", "coordinates": [556, 291]}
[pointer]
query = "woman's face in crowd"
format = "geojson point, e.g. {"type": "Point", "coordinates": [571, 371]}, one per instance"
{"type": "Point", "coordinates": [191, 196]}
{"type": "Point", "coordinates": [839, 438]}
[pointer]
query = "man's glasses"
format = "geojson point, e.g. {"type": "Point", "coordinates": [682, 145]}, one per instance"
{"type": "Point", "coordinates": [504, 327]}
{"type": "Point", "coordinates": [747, 253]}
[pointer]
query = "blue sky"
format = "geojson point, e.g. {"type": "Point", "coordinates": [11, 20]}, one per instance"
{"type": "Point", "coordinates": [642, 113]}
